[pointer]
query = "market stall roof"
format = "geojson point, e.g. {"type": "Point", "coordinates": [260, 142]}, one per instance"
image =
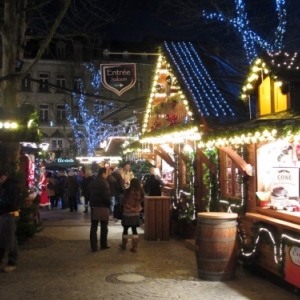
{"type": "Point", "coordinates": [212, 83]}
{"type": "Point", "coordinates": [283, 64]}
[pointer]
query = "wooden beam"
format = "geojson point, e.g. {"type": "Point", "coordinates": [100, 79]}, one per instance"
{"type": "Point", "coordinates": [206, 160]}
{"type": "Point", "coordinates": [240, 162]}
{"type": "Point", "coordinates": [164, 155]}
{"type": "Point", "coordinates": [184, 157]}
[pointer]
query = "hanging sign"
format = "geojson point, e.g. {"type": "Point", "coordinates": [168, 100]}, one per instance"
{"type": "Point", "coordinates": [118, 77]}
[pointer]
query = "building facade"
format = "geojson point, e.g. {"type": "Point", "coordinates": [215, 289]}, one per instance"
{"type": "Point", "coordinates": [65, 86]}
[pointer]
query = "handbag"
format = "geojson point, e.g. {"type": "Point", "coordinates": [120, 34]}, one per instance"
{"type": "Point", "coordinates": [118, 211]}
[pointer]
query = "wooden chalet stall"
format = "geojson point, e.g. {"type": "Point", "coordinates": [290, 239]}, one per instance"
{"type": "Point", "coordinates": [187, 90]}
{"type": "Point", "coordinates": [259, 162]}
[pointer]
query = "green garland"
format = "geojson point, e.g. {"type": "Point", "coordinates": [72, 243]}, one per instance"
{"type": "Point", "coordinates": [286, 124]}
{"type": "Point", "coordinates": [168, 130]}
{"type": "Point", "coordinates": [185, 205]}
{"type": "Point", "coordinates": [212, 185]}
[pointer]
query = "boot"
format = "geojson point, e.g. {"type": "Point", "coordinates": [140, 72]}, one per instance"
{"type": "Point", "coordinates": [85, 209]}
{"type": "Point", "coordinates": [124, 242]}
{"type": "Point", "coordinates": [135, 239]}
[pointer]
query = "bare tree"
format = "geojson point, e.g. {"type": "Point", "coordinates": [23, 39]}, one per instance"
{"type": "Point", "coordinates": [228, 25]}
{"type": "Point", "coordinates": [22, 21]}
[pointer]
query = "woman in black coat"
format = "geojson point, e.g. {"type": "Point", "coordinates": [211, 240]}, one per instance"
{"type": "Point", "coordinates": [99, 195]}
{"type": "Point", "coordinates": [72, 187]}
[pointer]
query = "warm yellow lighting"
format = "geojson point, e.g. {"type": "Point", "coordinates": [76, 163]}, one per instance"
{"type": "Point", "coordinates": [6, 125]}
{"type": "Point", "coordinates": [252, 77]}
{"type": "Point", "coordinates": [255, 69]}
{"type": "Point", "coordinates": [30, 122]}
{"type": "Point", "coordinates": [14, 125]}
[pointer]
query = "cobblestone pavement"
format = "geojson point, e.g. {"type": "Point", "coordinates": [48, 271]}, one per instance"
{"type": "Point", "coordinates": [53, 266]}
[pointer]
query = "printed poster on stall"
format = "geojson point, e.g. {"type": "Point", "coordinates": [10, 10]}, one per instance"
{"type": "Point", "coordinates": [284, 185]}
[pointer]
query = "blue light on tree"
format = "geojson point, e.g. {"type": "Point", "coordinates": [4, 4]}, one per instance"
{"type": "Point", "coordinates": [88, 125]}
{"type": "Point", "coordinates": [251, 40]}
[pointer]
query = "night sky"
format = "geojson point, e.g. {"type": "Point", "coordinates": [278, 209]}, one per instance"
{"type": "Point", "coordinates": [141, 19]}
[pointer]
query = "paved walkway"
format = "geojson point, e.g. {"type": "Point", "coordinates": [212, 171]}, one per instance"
{"type": "Point", "coordinates": [57, 264]}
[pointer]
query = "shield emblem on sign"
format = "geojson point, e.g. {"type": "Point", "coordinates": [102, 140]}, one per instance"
{"type": "Point", "coordinates": [118, 77]}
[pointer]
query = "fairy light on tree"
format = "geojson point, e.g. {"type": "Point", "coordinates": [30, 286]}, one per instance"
{"type": "Point", "coordinates": [251, 40]}
{"type": "Point", "coordinates": [87, 124]}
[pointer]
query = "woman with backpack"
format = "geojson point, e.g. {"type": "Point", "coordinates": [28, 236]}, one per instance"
{"type": "Point", "coordinates": [132, 207]}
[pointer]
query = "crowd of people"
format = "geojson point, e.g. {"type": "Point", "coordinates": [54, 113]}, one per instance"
{"type": "Point", "coordinates": [101, 192]}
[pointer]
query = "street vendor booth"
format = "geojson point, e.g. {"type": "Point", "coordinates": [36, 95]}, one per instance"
{"type": "Point", "coordinates": [259, 164]}
{"type": "Point", "coordinates": [184, 93]}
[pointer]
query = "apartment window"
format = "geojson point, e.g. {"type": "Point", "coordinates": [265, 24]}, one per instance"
{"type": "Point", "coordinates": [61, 50]}
{"type": "Point", "coordinates": [139, 85]}
{"type": "Point", "coordinates": [43, 113]}
{"type": "Point", "coordinates": [76, 83]}
{"type": "Point", "coordinates": [56, 144]}
{"type": "Point", "coordinates": [26, 86]}
{"type": "Point", "coordinates": [60, 81]}
{"type": "Point", "coordinates": [44, 80]}
{"type": "Point", "coordinates": [77, 114]}
{"type": "Point", "coordinates": [232, 177]}
{"type": "Point", "coordinates": [60, 113]}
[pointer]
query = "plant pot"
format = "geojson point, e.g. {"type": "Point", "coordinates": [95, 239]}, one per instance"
{"type": "Point", "coordinates": [263, 203]}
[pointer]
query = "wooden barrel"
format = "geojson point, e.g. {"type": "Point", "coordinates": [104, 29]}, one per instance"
{"type": "Point", "coordinates": [216, 246]}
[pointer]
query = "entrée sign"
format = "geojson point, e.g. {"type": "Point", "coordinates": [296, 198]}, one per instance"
{"type": "Point", "coordinates": [118, 77]}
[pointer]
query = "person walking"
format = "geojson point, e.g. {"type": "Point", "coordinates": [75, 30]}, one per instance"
{"type": "Point", "coordinates": [132, 206]}
{"type": "Point", "coordinates": [9, 214]}
{"type": "Point", "coordinates": [84, 184]}
{"type": "Point", "coordinates": [72, 187]}
{"type": "Point", "coordinates": [99, 195]}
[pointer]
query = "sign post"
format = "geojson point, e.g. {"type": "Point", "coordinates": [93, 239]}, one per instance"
{"type": "Point", "coordinates": [118, 77]}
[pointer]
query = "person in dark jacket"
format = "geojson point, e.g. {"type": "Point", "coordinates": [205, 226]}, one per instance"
{"type": "Point", "coordinates": [84, 184]}
{"type": "Point", "coordinates": [9, 214]}
{"type": "Point", "coordinates": [72, 187]}
{"type": "Point", "coordinates": [153, 184]}
{"type": "Point", "coordinates": [99, 195]}
{"type": "Point", "coordinates": [62, 179]}
{"type": "Point", "coordinates": [120, 189]}
{"type": "Point", "coordinates": [113, 185]}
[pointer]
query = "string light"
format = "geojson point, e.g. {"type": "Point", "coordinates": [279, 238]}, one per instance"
{"type": "Point", "coordinates": [277, 248]}
{"type": "Point", "coordinates": [89, 127]}
{"type": "Point", "coordinates": [251, 40]}
{"type": "Point", "coordinates": [203, 90]}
